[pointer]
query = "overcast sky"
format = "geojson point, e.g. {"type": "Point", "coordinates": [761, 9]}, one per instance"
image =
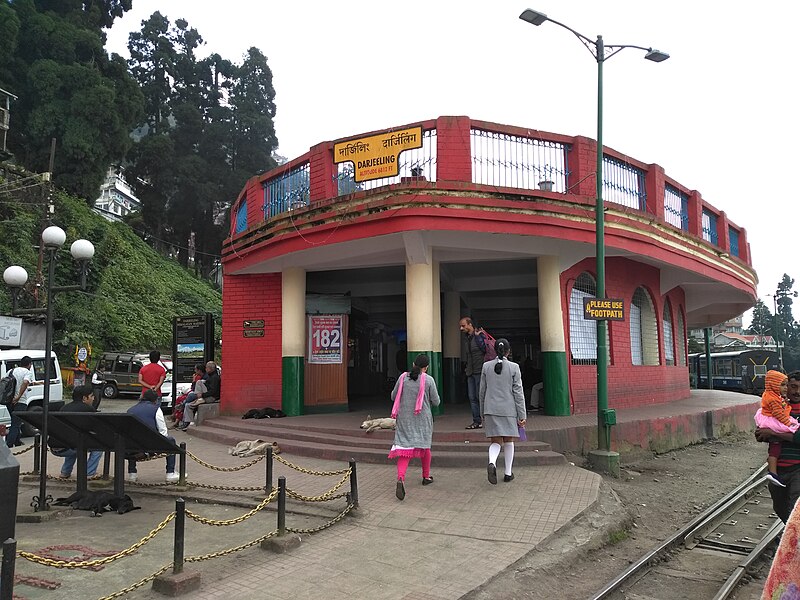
{"type": "Point", "coordinates": [720, 115]}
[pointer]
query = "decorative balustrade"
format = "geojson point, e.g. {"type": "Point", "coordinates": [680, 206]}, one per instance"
{"type": "Point", "coordinates": [459, 150]}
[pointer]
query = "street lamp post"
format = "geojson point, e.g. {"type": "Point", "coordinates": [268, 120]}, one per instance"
{"type": "Point", "coordinates": [603, 458]}
{"type": "Point", "coordinates": [15, 277]}
{"type": "Point", "coordinates": [775, 332]}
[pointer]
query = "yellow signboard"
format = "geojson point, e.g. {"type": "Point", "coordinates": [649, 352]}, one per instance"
{"type": "Point", "coordinates": [376, 156]}
{"type": "Point", "coordinates": [605, 309]}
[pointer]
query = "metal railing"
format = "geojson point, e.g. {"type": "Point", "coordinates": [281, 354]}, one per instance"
{"type": "Point", "coordinates": [623, 184]}
{"type": "Point", "coordinates": [710, 227]}
{"type": "Point", "coordinates": [676, 207]}
{"type": "Point", "coordinates": [733, 238]}
{"type": "Point", "coordinates": [287, 191]}
{"type": "Point", "coordinates": [506, 160]}
{"type": "Point", "coordinates": [241, 217]}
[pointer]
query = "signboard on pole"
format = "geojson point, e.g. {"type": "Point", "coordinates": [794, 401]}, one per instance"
{"type": "Point", "coordinates": [325, 339]}
{"type": "Point", "coordinates": [10, 331]}
{"type": "Point", "coordinates": [376, 156]}
{"type": "Point", "coordinates": [603, 309]}
{"type": "Point", "coordinates": [192, 343]}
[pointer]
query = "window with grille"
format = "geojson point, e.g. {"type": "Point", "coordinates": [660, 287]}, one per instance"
{"type": "Point", "coordinates": [583, 332]}
{"type": "Point", "coordinates": [644, 330]}
{"type": "Point", "coordinates": [681, 340]}
{"type": "Point", "coordinates": [669, 349]}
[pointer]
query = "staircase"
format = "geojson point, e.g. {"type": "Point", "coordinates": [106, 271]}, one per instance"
{"type": "Point", "coordinates": [338, 437]}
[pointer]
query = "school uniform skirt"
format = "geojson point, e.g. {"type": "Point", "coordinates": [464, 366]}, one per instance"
{"type": "Point", "coordinates": [500, 426]}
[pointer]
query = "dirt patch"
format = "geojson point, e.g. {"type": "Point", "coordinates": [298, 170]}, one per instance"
{"type": "Point", "coordinates": [655, 497]}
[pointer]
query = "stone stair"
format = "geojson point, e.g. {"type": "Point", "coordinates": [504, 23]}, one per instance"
{"type": "Point", "coordinates": [337, 437]}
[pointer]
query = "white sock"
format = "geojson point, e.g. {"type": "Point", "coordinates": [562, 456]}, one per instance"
{"type": "Point", "coordinates": [508, 454]}
{"type": "Point", "coordinates": [494, 452]}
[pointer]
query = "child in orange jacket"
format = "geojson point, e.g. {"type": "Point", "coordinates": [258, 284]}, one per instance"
{"type": "Point", "coordinates": [774, 414]}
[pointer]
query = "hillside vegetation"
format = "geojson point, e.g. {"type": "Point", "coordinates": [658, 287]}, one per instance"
{"type": "Point", "coordinates": [133, 292]}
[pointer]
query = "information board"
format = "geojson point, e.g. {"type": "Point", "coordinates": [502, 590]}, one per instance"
{"type": "Point", "coordinates": [603, 309]}
{"type": "Point", "coordinates": [325, 339]}
{"type": "Point", "coordinates": [192, 343]}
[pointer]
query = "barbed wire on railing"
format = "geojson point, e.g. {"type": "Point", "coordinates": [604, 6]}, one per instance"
{"type": "Point", "coordinates": [83, 564]}
{"type": "Point", "coordinates": [309, 471]}
{"type": "Point", "coordinates": [224, 469]}
{"type": "Point", "coordinates": [325, 496]}
{"type": "Point", "coordinates": [206, 521]}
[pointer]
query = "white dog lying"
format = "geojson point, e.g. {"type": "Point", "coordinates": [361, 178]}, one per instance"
{"type": "Point", "coordinates": [372, 424]}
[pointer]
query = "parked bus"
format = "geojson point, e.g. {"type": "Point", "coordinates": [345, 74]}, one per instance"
{"type": "Point", "coordinates": [737, 371]}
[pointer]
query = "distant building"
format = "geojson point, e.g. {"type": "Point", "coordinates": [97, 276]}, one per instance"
{"type": "Point", "coordinates": [737, 341]}
{"type": "Point", "coordinates": [5, 119]}
{"type": "Point", "coordinates": [117, 198]}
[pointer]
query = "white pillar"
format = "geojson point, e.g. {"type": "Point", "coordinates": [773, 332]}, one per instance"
{"type": "Point", "coordinates": [293, 312]}
{"type": "Point", "coordinates": [551, 318]}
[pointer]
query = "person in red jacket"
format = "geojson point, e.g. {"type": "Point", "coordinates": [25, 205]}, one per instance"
{"type": "Point", "coordinates": [152, 376]}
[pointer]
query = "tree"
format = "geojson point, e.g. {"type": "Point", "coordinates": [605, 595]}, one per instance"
{"type": "Point", "coordinates": [68, 88]}
{"type": "Point", "coordinates": [762, 323]}
{"type": "Point", "coordinates": [785, 325]}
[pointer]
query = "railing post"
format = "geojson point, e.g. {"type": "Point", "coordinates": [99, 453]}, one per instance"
{"type": "Point", "coordinates": [353, 483]}
{"type": "Point", "coordinates": [281, 505]}
{"type": "Point", "coordinates": [37, 440]}
{"type": "Point", "coordinates": [7, 569]}
{"type": "Point", "coordinates": [180, 526]}
{"type": "Point", "coordinates": [268, 487]}
{"type": "Point", "coordinates": [106, 464]}
{"type": "Point", "coordinates": [182, 464]}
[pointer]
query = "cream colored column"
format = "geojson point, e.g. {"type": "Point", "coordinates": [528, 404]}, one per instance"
{"type": "Point", "coordinates": [293, 339]}
{"type": "Point", "coordinates": [423, 320]}
{"type": "Point", "coordinates": [551, 328]}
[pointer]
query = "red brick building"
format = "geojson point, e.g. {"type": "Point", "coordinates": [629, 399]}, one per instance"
{"type": "Point", "coordinates": [332, 283]}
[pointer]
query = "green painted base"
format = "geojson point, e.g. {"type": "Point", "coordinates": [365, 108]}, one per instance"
{"type": "Point", "coordinates": [293, 388]}
{"type": "Point", "coordinates": [556, 384]}
{"type": "Point", "coordinates": [434, 370]}
{"type": "Point", "coordinates": [605, 461]}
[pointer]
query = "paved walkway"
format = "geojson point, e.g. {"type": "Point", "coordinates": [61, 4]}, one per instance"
{"type": "Point", "coordinates": [441, 542]}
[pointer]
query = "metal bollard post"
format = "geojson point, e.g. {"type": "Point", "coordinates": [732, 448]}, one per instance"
{"type": "Point", "coordinates": [281, 505]}
{"type": "Point", "coordinates": [37, 441]}
{"type": "Point", "coordinates": [269, 470]}
{"type": "Point", "coordinates": [182, 464]}
{"type": "Point", "coordinates": [7, 569]}
{"type": "Point", "coordinates": [353, 483]}
{"type": "Point", "coordinates": [180, 526]}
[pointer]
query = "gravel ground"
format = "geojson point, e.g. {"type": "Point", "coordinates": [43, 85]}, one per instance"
{"type": "Point", "coordinates": [655, 497]}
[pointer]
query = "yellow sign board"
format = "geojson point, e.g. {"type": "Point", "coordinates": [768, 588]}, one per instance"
{"type": "Point", "coordinates": [605, 309]}
{"type": "Point", "coordinates": [376, 156]}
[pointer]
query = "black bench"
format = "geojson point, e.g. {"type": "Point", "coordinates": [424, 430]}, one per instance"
{"type": "Point", "coordinates": [120, 433]}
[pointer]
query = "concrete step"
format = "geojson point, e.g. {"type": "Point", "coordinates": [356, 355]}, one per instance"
{"type": "Point", "coordinates": [359, 438]}
{"type": "Point", "coordinates": [344, 452]}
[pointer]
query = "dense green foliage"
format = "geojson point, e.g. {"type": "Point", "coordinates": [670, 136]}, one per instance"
{"type": "Point", "coordinates": [207, 128]}
{"type": "Point", "coordinates": [133, 292]}
{"type": "Point", "coordinates": [69, 89]}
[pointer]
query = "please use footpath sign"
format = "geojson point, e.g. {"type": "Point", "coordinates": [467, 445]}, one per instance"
{"type": "Point", "coordinates": [603, 309]}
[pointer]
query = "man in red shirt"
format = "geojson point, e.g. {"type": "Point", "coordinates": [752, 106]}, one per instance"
{"type": "Point", "coordinates": [152, 376]}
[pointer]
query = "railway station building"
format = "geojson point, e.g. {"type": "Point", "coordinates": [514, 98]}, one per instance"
{"type": "Point", "coordinates": [346, 262]}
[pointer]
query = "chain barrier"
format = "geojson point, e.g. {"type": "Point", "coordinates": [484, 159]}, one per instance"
{"type": "Point", "coordinates": [71, 564]}
{"type": "Point", "coordinates": [202, 557]}
{"type": "Point", "coordinates": [138, 584]}
{"type": "Point", "coordinates": [335, 520]}
{"type": "Point", "coordinates": [224, 469]}
{"type": "Point", "coordinates": [325, 496]}
{"type": "Point", "coordinates": [23, 451]}
{"type": "Point", "coordinates": [229, 488]}
{"type": "Point", "coordinates": [309, 471]}
{"type": "Point", "coordinates": [206, 521]}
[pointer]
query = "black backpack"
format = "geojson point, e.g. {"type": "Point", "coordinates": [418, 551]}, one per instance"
{"type": "Point", "coordinates": [8, 388]}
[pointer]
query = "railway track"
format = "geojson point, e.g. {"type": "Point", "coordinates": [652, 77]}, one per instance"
{"type": "Point", "coordinates": [710, 555]}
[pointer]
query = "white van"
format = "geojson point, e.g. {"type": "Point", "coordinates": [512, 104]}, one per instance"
{"type": "Point", "coordinates": [10, 359]}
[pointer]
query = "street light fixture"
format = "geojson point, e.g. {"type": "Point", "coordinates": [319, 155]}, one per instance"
{"type": "Point", "coordinates": [603, 458]}
{"type": "Point", "coordinates": [775, 332]}
{"type": "Point", "coordinates": [15, 278]}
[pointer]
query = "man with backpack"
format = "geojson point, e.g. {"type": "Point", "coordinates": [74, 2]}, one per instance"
{"type": "Point", "coordinates": [476, 356]}
{"type": "Point", "coordinates": [22, 378]}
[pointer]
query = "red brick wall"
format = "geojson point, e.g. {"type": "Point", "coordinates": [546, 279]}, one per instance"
{"type": "Point", "coordinates": [628, 385]}
{"type": "Point", "coordinates": [251, 367]}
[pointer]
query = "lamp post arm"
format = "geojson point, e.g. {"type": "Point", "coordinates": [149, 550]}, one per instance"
{"type": "Point", "coordinates": [589, 43]}
{"type": "Point", "coordinates": [614, 48]}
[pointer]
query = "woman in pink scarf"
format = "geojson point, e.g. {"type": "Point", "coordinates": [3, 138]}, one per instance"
{"type": "Point", "coordinates": [414, 394]}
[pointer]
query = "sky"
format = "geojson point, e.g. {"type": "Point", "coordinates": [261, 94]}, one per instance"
{"type": "Point", "coordinates": [719, 116]}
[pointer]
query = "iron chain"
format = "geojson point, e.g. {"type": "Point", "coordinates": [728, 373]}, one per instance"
{"type": "Point", "coordinates": [309, 471]}
{"type": "Point", "coordinates": [224, 469]}
{"type": "Point", "coordinates": [206, 521]}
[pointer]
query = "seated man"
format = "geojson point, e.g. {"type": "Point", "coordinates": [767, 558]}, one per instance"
{"type": "Point", "coordinates": [82, 398]}
{"type": "Point", "coordinates": [207, 396]}
{"type": "Point", "coordinates": [148, 411]}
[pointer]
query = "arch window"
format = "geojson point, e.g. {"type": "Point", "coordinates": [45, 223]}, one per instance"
{"type": "Point", "coordinates": [582, 332]}
{"type": "Point", "coordinates": [644, 329]}
{"type": "Point", "coordinates": [669, 348]}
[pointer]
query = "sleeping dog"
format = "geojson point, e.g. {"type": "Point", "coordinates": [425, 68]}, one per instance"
{"type": "Point", "coordinates": [98, 502]}
{"type": "Point", "coordinates": [263, 413]}
{"type": "Point", "coordinates": [373, 424]}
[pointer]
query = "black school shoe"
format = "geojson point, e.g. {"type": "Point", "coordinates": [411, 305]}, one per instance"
{"type": "Point", "coordinates": [427, 480]}
{"type": "Point", "coordinates": [491, 472]}
{"type": "Point", "coordinates": [400, 490]}
{"type": "Point", "coordinates": [508, 478]}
